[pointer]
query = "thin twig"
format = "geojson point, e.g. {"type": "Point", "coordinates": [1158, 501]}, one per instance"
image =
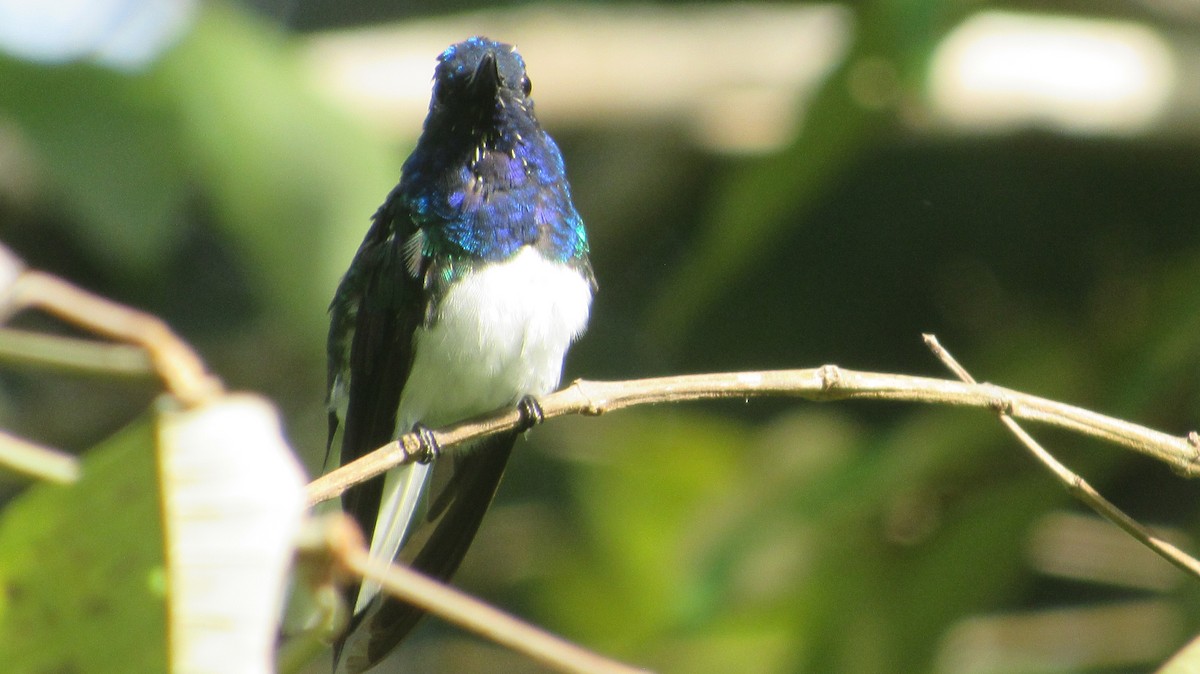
{"type": "Point", "coordinates": [1074, 483]}
{"type": "Point", "coordinates": [37, 461]}
{"type": "Point", "coordinates": [822, 384]}
{"type": "Point", "coordinates": [340, 537]}
{"type": "Point", "coordinates": [177, 364]}
{"type": "Point", "coordinates": [71, 353]}
{"type": "Point", "coordinates": [155, 345]}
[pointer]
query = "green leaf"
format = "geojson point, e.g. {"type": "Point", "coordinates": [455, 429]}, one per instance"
{"type": "Point", "coordinates": [81, 567]}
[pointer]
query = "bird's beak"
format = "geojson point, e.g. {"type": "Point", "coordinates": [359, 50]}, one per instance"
{"type": "Point", "coordinates": [485, 81]}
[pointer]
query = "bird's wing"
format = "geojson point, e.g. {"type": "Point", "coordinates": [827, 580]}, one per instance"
{"type": "Point", "coordinates": [377, 308]}
{"type": "Point", "coordinates": [376, 311]}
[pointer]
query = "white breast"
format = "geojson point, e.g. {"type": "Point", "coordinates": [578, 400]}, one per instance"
{"type": "Point", "coordinates": [501, 333]}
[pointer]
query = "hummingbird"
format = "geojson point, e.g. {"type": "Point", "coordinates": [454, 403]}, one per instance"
{"type": "Point", "coordinates": [464, 296]}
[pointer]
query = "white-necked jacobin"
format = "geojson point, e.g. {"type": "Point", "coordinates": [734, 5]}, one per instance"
{"type": "Point", "coordinates": [463, 298]}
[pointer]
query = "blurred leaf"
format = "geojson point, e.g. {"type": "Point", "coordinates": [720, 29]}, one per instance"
{"type": "Point", "coordinates": [756, 206]}
{"type": "Point", "coordinates": [291, 180]}
{"type": "Point", "coordinates": [707, 547]}
{"type": "Point", "coordinates": [643, 511]}
{"type": "Point", "coordinates": [81, 567]}
{"type": "Point", "coordinates": [225, 119]}
{"type": "Point", "coordinates": [233, 501]}
{"type": "Point", "coordinates": [107, 143]}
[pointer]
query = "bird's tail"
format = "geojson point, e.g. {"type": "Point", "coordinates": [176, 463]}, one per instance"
{"type": "Point", "coordinates": [436, 548]}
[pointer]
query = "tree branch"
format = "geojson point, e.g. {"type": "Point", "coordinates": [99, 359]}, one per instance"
{"type": "Point", "coordinates": [72, 353]}
{"type": "Point", "coordinates": [1074, 483]}
{"type": "Point", "coordinates": [154, 345]}
{"type": "Point", "coordinates": [181, 369]}
{"type": "Point", "coordinates": [338, 540]}
{"type": "Point", "coordinates": [823, 384]}
{"type": "Point", "coordinates": [37, 461]}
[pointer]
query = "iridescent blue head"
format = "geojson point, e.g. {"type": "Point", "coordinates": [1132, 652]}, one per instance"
{"type": "Point", "coordinates": [485, 179]}
{"type": "Point", "coordinates": [476, 76]}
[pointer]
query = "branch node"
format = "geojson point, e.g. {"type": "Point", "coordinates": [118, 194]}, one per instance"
{"type": "Point", "coordinates": [1189, 466]}
{"type": "Point", "coordinates": [324, 543]}
{"type": "Point", "coordinates": [411, 447]}
{"type": "Point", "coordinates": [593, 409]}
{"type": "Point", "coordinates": [1076, 485]}
{"type": "Point", "coordinates": [1001, 405]}
{"type": "Point", "coordinates": [831, 377]}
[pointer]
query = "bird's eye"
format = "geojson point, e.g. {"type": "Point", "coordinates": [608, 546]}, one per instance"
{"type": "Point", "coordinates": [526, 85]}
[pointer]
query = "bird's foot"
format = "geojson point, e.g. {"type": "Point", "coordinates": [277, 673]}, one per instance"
{"type": "Point", "coordinates": [430, 449]}
{"type": "Point", "coordinates": [531, 413]}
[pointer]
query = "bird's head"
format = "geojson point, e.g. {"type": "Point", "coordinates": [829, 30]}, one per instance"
{"type": "Point", "coordinates": [484, 177]}
{"type": "Point", "coordinates": [480, 87]}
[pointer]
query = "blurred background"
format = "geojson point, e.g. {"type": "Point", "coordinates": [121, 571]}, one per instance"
{"type": "Point", "coordinates": [766, 186]}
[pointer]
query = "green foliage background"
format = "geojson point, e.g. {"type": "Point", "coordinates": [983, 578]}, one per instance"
{"type": "Point", "coordinates": [216, 190]}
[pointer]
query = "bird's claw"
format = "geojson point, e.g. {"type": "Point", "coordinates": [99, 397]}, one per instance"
{"type": "Point", "coordinates": [430, 449]}
{"type": "Point", "coordinates": [531, 413]}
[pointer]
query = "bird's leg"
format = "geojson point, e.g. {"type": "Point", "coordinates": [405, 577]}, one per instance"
{"type": "Point", "coordinates": [531, 413]}
{"type": "Point", "coordinates": [430, 449]}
